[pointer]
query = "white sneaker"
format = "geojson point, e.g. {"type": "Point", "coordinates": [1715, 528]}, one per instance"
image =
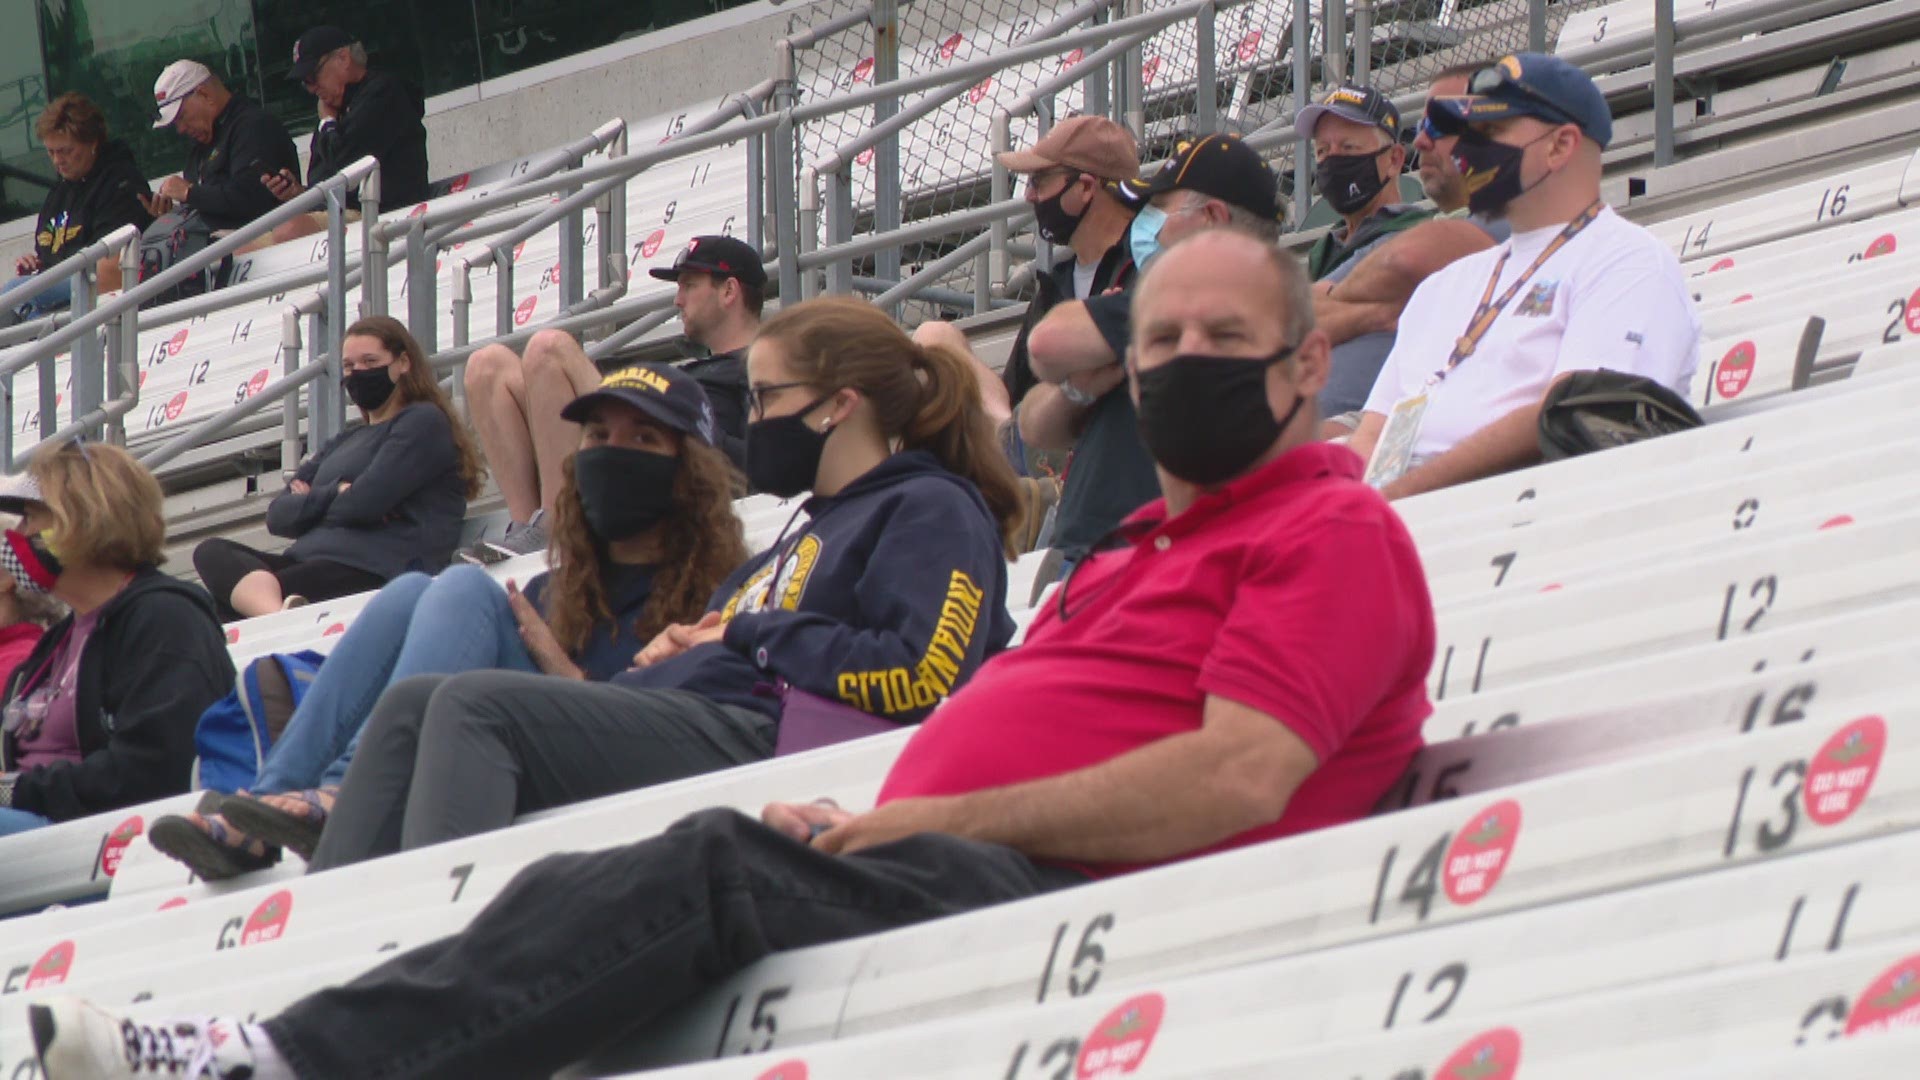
{"type": "Point", "coordinates": [76, 1040]}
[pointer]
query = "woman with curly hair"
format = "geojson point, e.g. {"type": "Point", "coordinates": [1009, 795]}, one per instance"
{"type": "Point", "coordinates": [644, 530]}
{"type": "Point", "coordinates": [376, 502]}
{"type": "Point", "coordinates": [888, 597]}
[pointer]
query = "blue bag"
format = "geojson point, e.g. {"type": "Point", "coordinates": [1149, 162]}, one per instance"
{"type": "Point", "coordinates": [236, 732]}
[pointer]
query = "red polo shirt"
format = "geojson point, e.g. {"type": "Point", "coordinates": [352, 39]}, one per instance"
{"type": "Point", "coordinates": [1294, 590]}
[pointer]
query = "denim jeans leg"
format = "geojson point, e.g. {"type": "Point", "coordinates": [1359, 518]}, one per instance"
{"type": "Point", "coordinates": [579, 948]}
{"type": "Point", "coordinates": [342, 694]}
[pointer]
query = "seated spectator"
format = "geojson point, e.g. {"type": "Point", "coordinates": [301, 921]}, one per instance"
{"type": "Point", "coordinates": [1576, 288]}
{"type": "Point", "coordinates": [1355, 132]}
{"type": "Point", "coordinates": [100, 189]}
{"type": "Point", "coordinates": [235, 144]}
{"type": "Point", "coordinates": [24, 617]}
{"type": "Point", "coordinates": [515, 401]}
{"type": "Point", "coordinates": [644, 533]}
{"type": "Point", "coordinates": [1069, 176]}
{"type": "Point", "coordinates": [1212, 181]}
{"type": "Point", "coordinates": [375, 502]}
{"type": "Point", "coordinates": [1359, 302]}
{"type": "Point", "coordinates": [362, 112]}
{"type": "Point", "coordinates": [1164, 711]}
{"type": "Point", "coordinates": [101, 714]}
{"type": "Point", "coordinates": [888, 598]}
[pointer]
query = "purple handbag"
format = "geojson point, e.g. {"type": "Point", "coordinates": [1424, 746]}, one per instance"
{"type": "Point", "coordinates": [808, 721]}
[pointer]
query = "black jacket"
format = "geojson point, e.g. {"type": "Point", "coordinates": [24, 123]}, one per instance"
{"type": "Point", "coordinates": [382, 115]}
{"type": "Point", "coordinates": [248, 142]}
{"type": "Point", "coordinates": [78, 212]}
{"type": "Point", "coordinates": [724, 377]}
{"type": "Point", "coordinates": [155, 661]}
{"type": "Point", "coordinates": [1054, 286]}
{"type": "Point", "coordinates": [404, 505]}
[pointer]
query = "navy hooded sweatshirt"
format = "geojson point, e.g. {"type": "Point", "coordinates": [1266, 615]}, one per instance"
{"type": "Point", "coordinates": [891, 596]}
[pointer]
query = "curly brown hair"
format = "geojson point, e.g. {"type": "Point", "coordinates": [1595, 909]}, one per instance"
{"type": "Point", "coordinates": [701, 542]}
{"type": "Point", "coordinates": [418, 384]}
{"type": "Point", "coordinates": [74, 115]}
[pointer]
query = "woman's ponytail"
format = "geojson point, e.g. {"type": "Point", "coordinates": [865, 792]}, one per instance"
{"type": "Point", "coordinates": [952, 424]}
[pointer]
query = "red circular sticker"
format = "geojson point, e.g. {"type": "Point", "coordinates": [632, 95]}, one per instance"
{"type": "Point", "coordinates": [1723, 264]}
{"type": "Point", "coordinates": [52, 967]}
{"type": "Point", "coordinates": [651, 245]}
{"type": "Point", "coordinates": [1913, 313]}
{"type": "Point", "coordinates": [1841, 774]}
{"type": "Point", "coordinates": [418, 211]}
{"type": "Point", "coordinates": [1249, 46]}
{"type": "Point", "coordinates": [786, 1070]}
{"type": "Point", "coordinates": [1743, 298]}
{"type": "Point", "coordinates": [1479, 854]}
{"type": "Point", "coordinates": [233, 635]}
{"type": "Point", "coordinates": [143, 377]}
{"type": "Point", "coordinates": [1073, 58]}
{"type": "Point", "coordinates": [517, 249]}
{"type": "Point", "coordinates": [863, 70]}
{"type": "Point", "coordinates": [1884, 244]}
{"type": "Point", "coordinates": [951, 46]}
{"type": "Point", "coordinates": [258, 382]}
{"type": "Point", "coordinates": [336, 628]}
{"type": "Point", "coordinates": [177, 342]}
{"type": "Point", "coordinates": [269, 920]}
{"type": "Point", "coordinates": [1118, 1044]}
{"type": "Point", "coordinates": [178, 901]}
{"type": "Point", "coordinates": [1891, 1002]}
{"type": "Point", "coordinates": [115, 849]}
{"type": "Point", "coordinates": [864, 157]}
{"type": "Point", "coordinates": [1490, 1055]}
{"type": "Point", "coordinates": [459, 183]}
{"type": "Point", "coordinates": [1735, 370]}
{"type": "Point", "coordinates": [1149, 69]}
{"type": "Point", "coordinates": [1836, 522]}
{"type": "Point", "coordinates": [525, 311]}
{"type": "Point", "coordinates": [979, 90]}
{"type": "Point", "coordinates": [177, 405]}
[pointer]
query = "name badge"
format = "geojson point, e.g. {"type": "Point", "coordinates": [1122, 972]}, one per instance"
{"type": "Point", "coordinates": [1394, 451]}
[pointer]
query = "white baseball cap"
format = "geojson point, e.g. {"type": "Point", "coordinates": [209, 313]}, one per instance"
{"type": "Point", "coordinates": [181, 78]}
{"type": "Point", "coordinates": [17, 491]}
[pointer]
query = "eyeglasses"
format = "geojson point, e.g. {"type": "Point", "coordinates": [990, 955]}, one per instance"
{"type": "Point", "coordinates": [1487, 80]}
{"type": "Point", "coordinates": [1426, 129]}
{"type": "Point", "coordinates": [758, 395]}
{"type": "Point", "coordinates": [1045, 176]}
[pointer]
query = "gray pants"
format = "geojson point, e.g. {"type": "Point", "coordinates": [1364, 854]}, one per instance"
{"type": "Point", "coordinates": [446, 756]}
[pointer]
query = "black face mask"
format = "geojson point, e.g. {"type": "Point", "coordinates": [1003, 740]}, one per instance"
{"type": "Point", "coordinates": [1349, 181]}
{"type": "Point", "coordinates": [783, 453]}
{"type": "Point", "coordinates": [1051, 218]}
{"type": "Point", "coordinates": [624, 491]}
{"type": "Point", "coordinates": [1205, 418]}
{"type": "Point", "coordinates": [1491, 172]}
{"type": "Point", "coordinates": [369, 388]}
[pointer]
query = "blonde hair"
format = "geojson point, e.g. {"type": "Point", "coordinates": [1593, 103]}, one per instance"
{"type": "Point", "coordinates": [106, 506]}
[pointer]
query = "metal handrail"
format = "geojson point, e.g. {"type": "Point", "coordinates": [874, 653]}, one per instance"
{"type": "Point", "coordinates": [77, 263]}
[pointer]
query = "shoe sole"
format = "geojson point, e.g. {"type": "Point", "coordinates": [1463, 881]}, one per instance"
{"type": "Point", "coordinates": [276, 827]}
{"type": "Point", "coordinates": [40, 1023]}
{"type": "Point", "coordinates": [209, 859]}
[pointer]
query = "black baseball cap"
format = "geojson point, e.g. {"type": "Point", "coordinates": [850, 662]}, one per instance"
{"type": "Point", "coordinates": [1219, 166]}
{"type": "Point", "coordinates": [313, 47]}
{"type": "Point", "coordinates": [1527, 84]}
{"type": "Point", "coordinates": [1360, 104]}
{"type": "Point", "coordinates": [663, 392]}
{"type": "Point", "coordinates": [719, 256]}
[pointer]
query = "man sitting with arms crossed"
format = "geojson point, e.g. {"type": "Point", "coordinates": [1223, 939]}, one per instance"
{"type": "Point", "coordinates": [1246, 662]}
{"type": "Point", "coordinates": [1576, 288]}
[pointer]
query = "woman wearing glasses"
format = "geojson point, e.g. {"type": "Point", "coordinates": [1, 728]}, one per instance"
{"type": "Point", "coordinates": [101, 715]}
{"type": "Point", "coordinates": [377, 501]}
{"type": "Point", "coordinates": [889, 595]}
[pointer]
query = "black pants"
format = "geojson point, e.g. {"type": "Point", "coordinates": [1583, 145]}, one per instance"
{"type": "Point", "coordinates": [447, 756]}
{"type": "Point", "coordinates": [221, 564]}
{"type": "Point", "coordinates": [580, 948]}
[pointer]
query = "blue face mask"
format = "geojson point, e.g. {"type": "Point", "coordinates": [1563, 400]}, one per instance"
{"type": "Point", "coordinates": [1144, 235]}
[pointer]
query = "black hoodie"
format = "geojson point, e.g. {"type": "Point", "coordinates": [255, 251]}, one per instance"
{"type": "Point", "coordinates": [78, 212]}
{"type": "Point", "coordinates": [248, 143]}
{"type": "Point", "coordinates": [382, 116]}
{"type": "Point", "coordinates": [156, 659]}
{"type": "Point", "coordinates": [891, 596]}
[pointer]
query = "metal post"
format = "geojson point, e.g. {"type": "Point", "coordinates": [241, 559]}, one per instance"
{"type": "Point", "coordinates": [423, 280]}
{"type": "Point", "coordinates": [1537, 25]}
{"type": "Point", "coordinates": [839, 198]}
{"type": "Point", "coordinates": [573, 259]}
{"type": "Point", "coordinates": [84, 373]}
{"type": "Point", "coordinates": [502, 295]}
{"type": "Point", "coordinates": [1333, 40]}
{"type": "Point", "coordinates": [1132, 84]}
{"type": "Point", "coordinates": [323, 394]}
{"type": "Point", "coordinates": [373, 249]}
{"type": "Point", "coordinates": [123, 351]}
{"type": "Point", "coordinates": [809, 229]}
{"type": "Point", "coordinates": [886, 156]}
{"type": "Point", "coordinates": [1662, 83]}
{"type": "Point", "coordinates": [1362, 41]}
{"type": "Point", "coordinates": [1302, 85]}
{"type": "Point", "coordinates": [1206, 88]}
{"type": "Point", "coordinates": [462, 317]}
{"type": "Point", "coordinates": [333, 413]}
{"type": "Point", "coordinates": [786, 225]}
{"type": "Point", "coordinates": [757, 192]}
{"type": "Point", "coordinates": [615, 226]}
{"type": "Point", "coordinates": [290, 405]}
{"type": "Point", "coordinates": [1098, 98]}
{"type": "Point", "coordinates": [1000, 189]}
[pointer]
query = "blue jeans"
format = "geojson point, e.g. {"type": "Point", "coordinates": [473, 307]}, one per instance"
{"type": "Point", "coordinates": [54, 299]}
{"type": "Point", "coordinates": [18, 821]}
{"type": "Point", "coordinates": [416, 625]}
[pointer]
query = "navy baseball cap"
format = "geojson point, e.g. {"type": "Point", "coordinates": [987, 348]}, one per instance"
{"type": "Point", "coordinates": [1527, 84]}
{"type": "Point", "coordinates": [1360, 104]}
{"type": "Point", "coordinates": [663, 392]}
{"type": "Point", "coordinates": [1218, 166]}
{"type": "Point", "coordinates": [719, 256]}
{"type": "Point", "coordinates": [314, 46]}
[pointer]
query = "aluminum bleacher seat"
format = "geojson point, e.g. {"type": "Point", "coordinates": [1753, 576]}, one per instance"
{"type": "Point", "coordinates": [1849, 195]}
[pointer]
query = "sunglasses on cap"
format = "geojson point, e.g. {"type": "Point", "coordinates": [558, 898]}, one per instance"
{"type": "Point", "coordinates": [1488, 81]}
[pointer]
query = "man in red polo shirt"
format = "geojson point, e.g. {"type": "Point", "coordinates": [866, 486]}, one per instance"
{"type": "Point", "coordinates": [1246, 661]}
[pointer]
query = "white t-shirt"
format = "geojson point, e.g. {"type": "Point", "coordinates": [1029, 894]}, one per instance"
{"type": "Point", "coordinates": [1613, 297]}
{"type": "Point", "coordinates": [1083, 275]}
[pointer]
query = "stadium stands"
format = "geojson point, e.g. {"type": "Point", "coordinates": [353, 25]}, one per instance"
{"type": "Point", "coordinates": [1663, 828]}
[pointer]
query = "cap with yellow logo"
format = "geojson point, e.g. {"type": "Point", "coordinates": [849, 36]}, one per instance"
{"type": "Point", "coordinates": [664, 393]}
